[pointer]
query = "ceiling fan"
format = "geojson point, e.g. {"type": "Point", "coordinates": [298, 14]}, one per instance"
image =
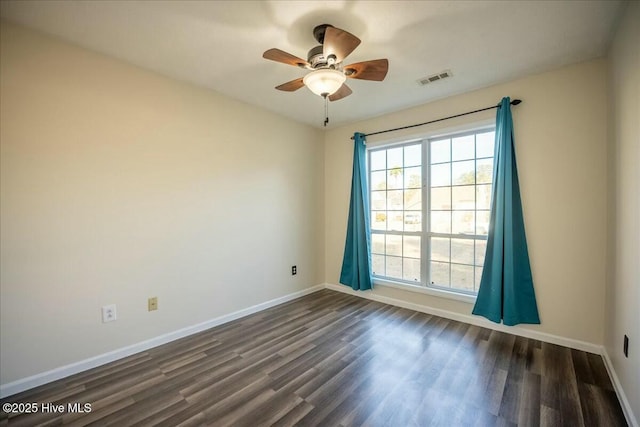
{"type": "Point", "coordinates": [328, 74]}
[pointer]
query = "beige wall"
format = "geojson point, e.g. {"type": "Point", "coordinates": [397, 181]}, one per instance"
{"type": "Point", "coordinates": [623, 290]}
{"type": "Point", "coordinates": [560, 134]}
{"type": "Point", "coordinates": [119, 184]}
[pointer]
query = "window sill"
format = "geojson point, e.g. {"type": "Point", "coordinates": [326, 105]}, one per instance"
{"type": "Point", "coordinates": [440, 293]}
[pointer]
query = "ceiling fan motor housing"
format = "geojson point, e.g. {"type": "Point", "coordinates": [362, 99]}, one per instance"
{"type": "Point", "coordinates": [316, 58]}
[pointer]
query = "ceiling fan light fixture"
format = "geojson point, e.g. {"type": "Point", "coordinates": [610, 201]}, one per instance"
{"type": "Point", "coordinates": [324, 82]}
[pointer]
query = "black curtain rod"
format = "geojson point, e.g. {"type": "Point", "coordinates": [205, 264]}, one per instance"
{"type": "Point", "coordinates": [514, 102]}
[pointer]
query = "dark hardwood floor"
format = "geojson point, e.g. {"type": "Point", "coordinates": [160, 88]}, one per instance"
{"type": "Point", "coordinates": [332, 359]}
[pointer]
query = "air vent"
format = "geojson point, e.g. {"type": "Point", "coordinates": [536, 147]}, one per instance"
{"type": "Point", "coordinates": [435, 77]}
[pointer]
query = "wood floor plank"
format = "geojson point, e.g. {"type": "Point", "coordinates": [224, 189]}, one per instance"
{"type": "Point", "coordinates": [160, 414]}
{"type": "Point", "coordinates": [567, 386]}
{"type": "Point", "coordinates": [228, 410]}
{"type": "Point", "coordinates": [599, 372]}
{"type": "Point", "coordinates": [550, 417]}
{"type": "Point", "coordinates": [529, 411]}
{"type": "Point", "coordinates": [511, 397]}
{"type": "Point", "coordinates": [270, 411]}
{"type": "Point", "coordinates": [294, 416]}
{"type": "Point", "coordinates": [140, 410]}
{"type": "Point", "coordinates": [337, 390]}
{"type": "Point", "coordinates": [333, 359]}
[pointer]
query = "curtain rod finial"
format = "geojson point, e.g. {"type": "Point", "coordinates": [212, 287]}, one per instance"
{"type": "Point", "coordinates": [516, 101]}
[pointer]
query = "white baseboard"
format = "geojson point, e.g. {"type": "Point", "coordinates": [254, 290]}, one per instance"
{"type": "Point", "coordinates": [622, 397]}
{"type": "Point", "coordinates": [474, 320]}
{"type": "Point", "coordinates": [23, 384]}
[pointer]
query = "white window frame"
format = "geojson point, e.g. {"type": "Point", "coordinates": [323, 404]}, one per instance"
{"type": "Point", "coordinates": [423, 287]}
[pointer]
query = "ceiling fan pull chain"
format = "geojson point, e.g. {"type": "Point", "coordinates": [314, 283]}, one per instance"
{"type": "Point", "coordinates": [326, 110]}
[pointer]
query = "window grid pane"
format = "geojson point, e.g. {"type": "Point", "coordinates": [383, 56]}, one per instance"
{"type": "Point", "coordinates": [459, 174]}
{"type": "Point", "coordinates": [396, 206]}
{"type": "Point", "coordinates": [465, 213]}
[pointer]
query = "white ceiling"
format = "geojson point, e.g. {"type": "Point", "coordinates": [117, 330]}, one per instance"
{"type": "Point", "coordinates": [219, 44]}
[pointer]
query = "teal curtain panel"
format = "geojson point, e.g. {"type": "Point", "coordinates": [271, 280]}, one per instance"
{"type": "Point", "coordinates": [506, 288]}
{"type": "Point", "coordinates": [356, 263]}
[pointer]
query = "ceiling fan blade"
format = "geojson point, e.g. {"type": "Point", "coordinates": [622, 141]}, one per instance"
{"type": "Point", "coordinates": [284, 57]}
{"type": "Point", "coordinates": [291, 86]}
{"type": "Point", "coordinates": [368, 70]}
{"type": "Point", "coordinates": [344, 91]}
{"type": "Point", "coordinates": [339, 43]}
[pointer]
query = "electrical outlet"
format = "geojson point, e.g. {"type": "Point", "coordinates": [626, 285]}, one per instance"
{"type": "Point", "coordinates": [109, 313]}
{"type": "Point", "coordinates": [625, 347]}
{"type": "Point", "coordinates": [294, 270]}
{"type": "Point", "coordinates": [153, 303]}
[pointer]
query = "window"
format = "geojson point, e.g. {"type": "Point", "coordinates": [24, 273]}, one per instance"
{"type": "Point", "coordinates": [429, 202]}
